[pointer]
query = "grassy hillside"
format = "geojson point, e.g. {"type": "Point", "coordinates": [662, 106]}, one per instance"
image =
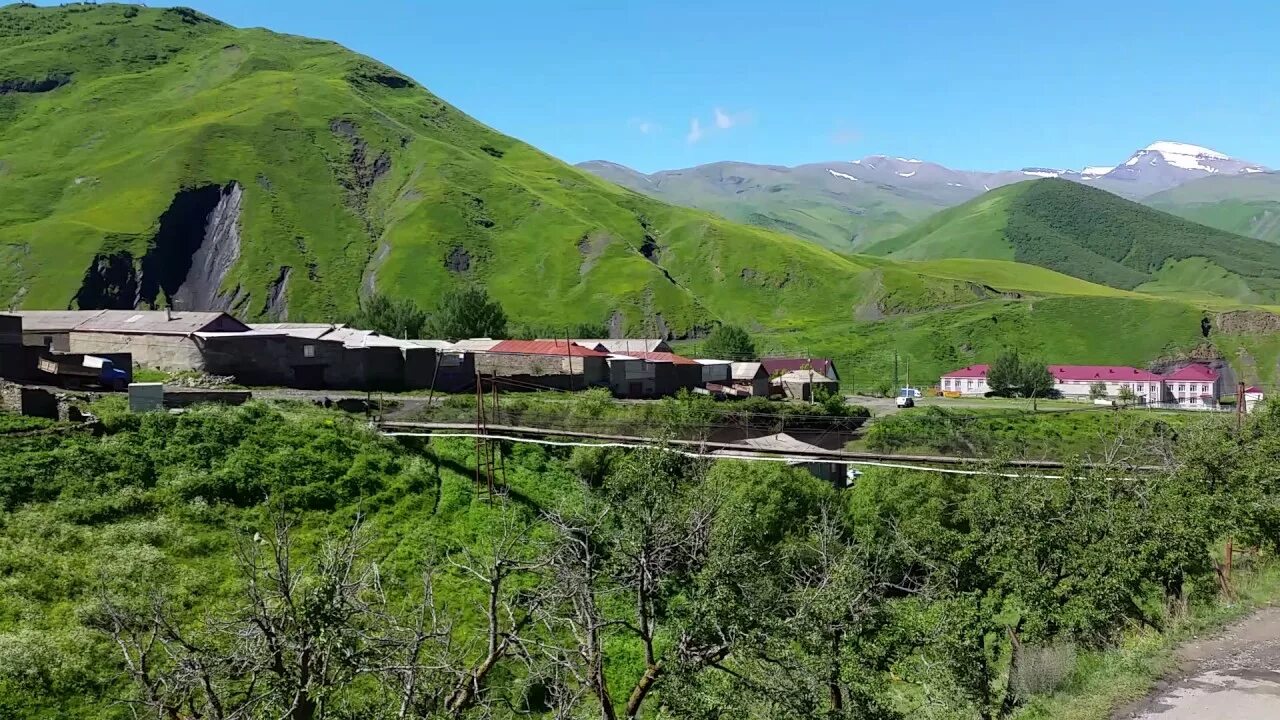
{"type": "Point", "coordinates": [1243, 204]}
{"type": "Point", "coordinates": [1096, 236]}
{"type": "Point", "coordinates": [352, 178]}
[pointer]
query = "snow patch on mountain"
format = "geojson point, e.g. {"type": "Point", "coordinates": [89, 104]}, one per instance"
{"type": "Point", "coordinates": [902, 174]}
{"type": "Point", "coordinates": [842, 175]}
{"type": "Point", "coordinates": [1179, 155]}
{"type": "Point", "coordinates": [1177, 148]}
{"type": "Point", "coordinates": [1042, 173]}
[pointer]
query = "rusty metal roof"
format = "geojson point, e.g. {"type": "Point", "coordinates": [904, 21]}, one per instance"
{"type": "Point", "coordinates": [545, 347]}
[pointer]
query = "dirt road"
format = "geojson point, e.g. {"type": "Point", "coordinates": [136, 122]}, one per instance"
{"type": "Point", "coordinates": [1234, 675]}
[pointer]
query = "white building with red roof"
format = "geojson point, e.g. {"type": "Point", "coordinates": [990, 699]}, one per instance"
{"type": "Point", "coordinates": [1253, 395]}
{"type": "Point", "coordinates": [1076, 382]}
{"type": "Point", "coordinates": [969, 381]}
{"type": "Point", "coordinates": [1195, 385]}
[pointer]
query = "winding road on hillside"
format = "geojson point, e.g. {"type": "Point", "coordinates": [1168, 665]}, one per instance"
{"type": "Point", "coordinates": [1234, 675]}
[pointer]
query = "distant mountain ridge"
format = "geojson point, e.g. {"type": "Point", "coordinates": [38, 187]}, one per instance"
{"type": "Point", "coordinates": [848, 205]}
{"type": "Point", "coordinates": [1093, 235]}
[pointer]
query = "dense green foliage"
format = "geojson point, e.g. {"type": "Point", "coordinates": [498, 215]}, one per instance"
{"type": "Point", "coordinates": [1089, 234]}
{"type": "Point", "coordinates": [391, 317]}
{"type": "Point", "coordinates": [730, 342]}
{"type": "Point", "coordinates": [467, 313]}
{"type": "Point", "coordinates": [1018, 433]}
{"type": "Point", "coordinates": [1012, 376]}
{"type": "Point", "coordinates": [656, 585]}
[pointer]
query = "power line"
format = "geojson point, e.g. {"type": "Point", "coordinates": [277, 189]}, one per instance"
{"type": "Point", "coordinates": [743, 455]}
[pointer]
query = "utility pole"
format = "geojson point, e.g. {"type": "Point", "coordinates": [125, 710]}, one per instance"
{"type": "Point", "coordinates": [502, 457]}
{"type": "Point", "coordinates": [1240, 407]}
{"type": "Point", "coordinates": [895, 373]}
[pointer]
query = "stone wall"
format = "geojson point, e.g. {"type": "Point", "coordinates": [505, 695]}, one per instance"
{"type": "Point", "coordinates": [171, 353]}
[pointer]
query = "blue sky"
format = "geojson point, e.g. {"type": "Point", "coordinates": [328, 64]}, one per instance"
{"type": "Point", "coordinates": [974, 85]}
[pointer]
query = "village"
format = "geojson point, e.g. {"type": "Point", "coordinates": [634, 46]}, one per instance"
{"type": "Point", "coordinates": [55, 347]}
{"type": "Point", "coordinates": [321, 356]}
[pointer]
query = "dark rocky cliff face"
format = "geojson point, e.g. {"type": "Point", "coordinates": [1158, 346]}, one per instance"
{"type": "Point", "coordinates": [196, 245]}
{"type": "Point", "coordinates": [218, 251]}
{"type": "Point", "coordinates": [110, 283]}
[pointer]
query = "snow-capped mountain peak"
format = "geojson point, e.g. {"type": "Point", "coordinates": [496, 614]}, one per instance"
{"type": "Point", "coordinates": [1179, 155]}
{"type": "Point", "coordinates": [1166, 147]}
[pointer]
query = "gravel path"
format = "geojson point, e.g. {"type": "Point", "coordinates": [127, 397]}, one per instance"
{"type": "Point", "coordinates": [1234, 675]}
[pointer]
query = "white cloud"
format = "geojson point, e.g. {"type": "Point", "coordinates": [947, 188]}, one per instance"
{"type": "Point", "coordinates": [643, 126]}
{"type": "Point", "coordinates": [724, 121]}
{"type": "Point", "coordinates": [695, 131]}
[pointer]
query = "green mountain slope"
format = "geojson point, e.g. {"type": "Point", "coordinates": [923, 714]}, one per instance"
{"type": "Point", "coordinates": [1094, 235]}
{"type": "Point", "coordinates": [1243, 204]}
{"type": "Point", "coordinates": [124, 129]}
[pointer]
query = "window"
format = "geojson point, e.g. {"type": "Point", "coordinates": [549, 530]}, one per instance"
{"type": "Point", "coordinates": [308, 351]}
{"type": "Point", "coordinates": [970, 384]}
{"type": "Point", "coordinates": [48, 341]}
{"type": "Point", "coordinates": [1182, 387]}
{"type": "Point", "coordinates": [1204, 388]}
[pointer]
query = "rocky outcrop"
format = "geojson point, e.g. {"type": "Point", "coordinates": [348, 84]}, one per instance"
{"type": "Point", "coordinates": [1248, 322]}
{"type": "Point", "coordinates": [110, 283]}
{"type": "Point", "coordinates": [217, 253]}
{"type": "Point", "coordinates": [41, 85]}
{"type": "Point", "coordinates": [196, 245]}
{"type": "Point", "coordinates": [277, 305]}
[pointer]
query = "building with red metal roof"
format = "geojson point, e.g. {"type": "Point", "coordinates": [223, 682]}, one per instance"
{"type": "Point", "coordinates": [1194, 385]}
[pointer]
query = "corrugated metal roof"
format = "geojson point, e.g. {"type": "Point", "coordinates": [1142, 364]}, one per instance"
{"type": "Point", "coordinates": [1253, 390]}
{"type": "Point", "coordinates": [710, 361]}
{"type": "Point", "coordinates": [476, 344]}
{"type": "Point", "coordinates": [296, 326]}
{"type": "Point", "coordinates": [973, 371]}
{"type": "Point", "coordinates": [155, 322]}
{"type": "Point", "coordinates": [662, 357]}
{"type": "Point", "coordinates": [545, 347]}
{"type": "Point", "coordinates": [1102, 373]}
{"type": "Point", "coordinates": [435, 344]}
{"type": "Point", "coordinates": [629, 346]}
{"type": "Point", "coordinates": [803, 376]}
{"type": "Point", "coordinates": [745, 370]}
{"type": "Point", "coordinates": [1194, 371]}
{"type": "Point", "coordinates": [53, 320]}
{"type": "Point", "coordinates": [255, 332]}
{"type": "Point", "coordinates": [776, 366]}
{"type": "Point", "coordinates": [780, 442]}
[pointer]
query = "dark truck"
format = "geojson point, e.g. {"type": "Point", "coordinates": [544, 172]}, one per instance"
{"type": "Point", "coordinates": [81, 371]}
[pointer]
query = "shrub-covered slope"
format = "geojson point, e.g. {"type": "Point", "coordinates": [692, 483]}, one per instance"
{"type": "Point", "coordinates": [1091, 234]}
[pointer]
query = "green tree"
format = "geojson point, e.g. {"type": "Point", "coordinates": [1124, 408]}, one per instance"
{"type": "Point", "coordinates": [730, 342]}
{"type": "Point", "coordinates": [1037, 381]}
{"type": "Point", "coordinates": [1097, 391]}
{"type": "Point", "coordinates": [1005, 375]}
{"type": "Point", "coordinates": [466, 313]}
{"type": "Point", "coordinates": [395, 318]}
{"type": "Point", "coordinates": [1126, 395]}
